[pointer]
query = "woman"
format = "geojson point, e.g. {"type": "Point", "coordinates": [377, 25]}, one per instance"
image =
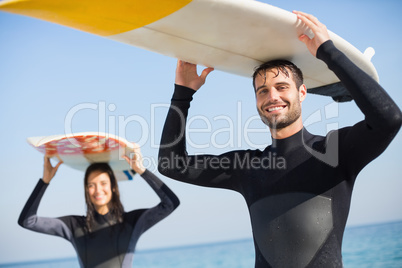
{"type": "Point", "coordinates": [106, 236]}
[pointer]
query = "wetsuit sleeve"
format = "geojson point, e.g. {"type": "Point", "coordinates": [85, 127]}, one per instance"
{"type": "Point", "coordinates": [174, 161]}
{"type": "Point", "coordinates": [169, 201]}
{"type": "Point", "coordinates": [369, 138]}
{"type": "Point", "coordinates": [29, 220]}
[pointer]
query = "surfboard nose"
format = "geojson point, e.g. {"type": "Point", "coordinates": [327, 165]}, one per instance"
{"type": "Point", "coordinates": [98, 17]}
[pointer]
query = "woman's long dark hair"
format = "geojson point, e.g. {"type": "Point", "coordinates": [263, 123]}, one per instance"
{"type": "Point", "coordinates": [116, 209]}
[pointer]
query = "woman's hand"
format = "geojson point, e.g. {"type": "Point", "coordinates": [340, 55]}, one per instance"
{"type": "Point", "coordinates": [48, 170]}
{"type": "Point", "coordinates": [135, 160]}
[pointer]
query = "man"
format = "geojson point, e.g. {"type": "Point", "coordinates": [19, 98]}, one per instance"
{"type": "Point", "coordinates": [298, 209]}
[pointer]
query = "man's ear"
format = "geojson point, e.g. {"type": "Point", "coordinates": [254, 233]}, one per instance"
{"type": "Point", "coordinates": [302, 92]}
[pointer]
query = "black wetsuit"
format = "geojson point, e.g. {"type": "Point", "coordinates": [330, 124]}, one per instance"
{"type": "Point", "coordinates": [298, 190]}
{"type": "Point", "coordinates": [110, 244]}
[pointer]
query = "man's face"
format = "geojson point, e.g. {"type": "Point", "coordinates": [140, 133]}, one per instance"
{"type": "Point", "coordinates": [278, 99]}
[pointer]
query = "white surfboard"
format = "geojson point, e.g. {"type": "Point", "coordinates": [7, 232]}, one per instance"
{"type": "Point", "coordinates": [79, 150]}
{"type": "Point", "coordinates": [234, 36]}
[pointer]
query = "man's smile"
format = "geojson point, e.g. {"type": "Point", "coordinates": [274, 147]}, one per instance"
{"type": "Point", "coordinates": [274, 108]}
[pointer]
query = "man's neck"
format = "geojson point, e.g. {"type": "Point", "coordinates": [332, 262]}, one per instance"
{"type": "Point", "coordinates": [286, 132]}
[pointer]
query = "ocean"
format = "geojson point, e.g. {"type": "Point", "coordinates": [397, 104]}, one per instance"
{"type": "Point", "coordinates": [364, 246]}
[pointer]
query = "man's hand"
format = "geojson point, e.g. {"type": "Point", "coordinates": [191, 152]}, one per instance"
{"type": "Point", "coordinates": [186, 75]}
{"type": "Point", "coordinates": [320, 32]}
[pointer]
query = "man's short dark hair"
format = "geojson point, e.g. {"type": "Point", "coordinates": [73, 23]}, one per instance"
{"type": "Point", "coordinates": [281, 66]}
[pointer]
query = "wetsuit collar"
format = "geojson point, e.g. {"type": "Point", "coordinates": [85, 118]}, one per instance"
{"type": "Point", "coordinates": [283, 146]}
{"type": "Point", "coordinates": [101, 219]}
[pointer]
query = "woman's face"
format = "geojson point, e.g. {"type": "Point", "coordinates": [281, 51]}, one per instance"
{"type": "Point", "coordinates": [100, 191]}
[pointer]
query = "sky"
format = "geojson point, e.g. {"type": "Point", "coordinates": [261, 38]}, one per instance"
{"type": "Point", "coordinates": [48, 71]}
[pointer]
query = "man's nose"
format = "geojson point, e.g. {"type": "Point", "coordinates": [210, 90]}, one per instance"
{"type": "Point", "coordinates": [273, 94]}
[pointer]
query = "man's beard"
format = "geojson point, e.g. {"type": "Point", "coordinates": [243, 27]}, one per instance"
{"type": "Point", "coordinates": [284, 120]}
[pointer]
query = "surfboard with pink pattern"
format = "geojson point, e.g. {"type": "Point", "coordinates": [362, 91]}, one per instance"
{"type": "Point", "coordinates": [79, 150]}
